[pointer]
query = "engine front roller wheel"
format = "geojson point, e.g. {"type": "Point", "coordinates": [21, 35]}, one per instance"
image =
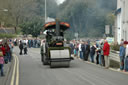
{"type": "Point", "coordinates": [59, 64]}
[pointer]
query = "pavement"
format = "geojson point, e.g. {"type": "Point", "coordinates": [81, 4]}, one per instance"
{"type": "Point", "coordinates": [7, 70]}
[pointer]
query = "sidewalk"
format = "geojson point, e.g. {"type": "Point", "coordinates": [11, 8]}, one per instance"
{"type": "Point", "coordinates": [111, 68]}
{"type": "Point", "coordinates": [6, 73]}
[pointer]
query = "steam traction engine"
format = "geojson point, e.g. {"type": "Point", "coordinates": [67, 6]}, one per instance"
{"type": "Point", "coordinates": [53, 52]}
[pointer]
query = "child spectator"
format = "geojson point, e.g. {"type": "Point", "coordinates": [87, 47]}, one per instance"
{"type": "Point", "coordinates": [1, 63]}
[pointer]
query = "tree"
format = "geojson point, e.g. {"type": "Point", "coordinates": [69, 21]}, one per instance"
{"type": "Point", "coordinates": [32, 28]}
{"type": "Point", "coordinates": [21, 11]}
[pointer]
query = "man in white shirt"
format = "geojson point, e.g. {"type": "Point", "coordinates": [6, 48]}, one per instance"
{"type": "Point", "coordinates": [126, 57]}
{"type": "Point", "coordinates": [126, 51]}
{"type": "Point", "coordinates": [80, 51]}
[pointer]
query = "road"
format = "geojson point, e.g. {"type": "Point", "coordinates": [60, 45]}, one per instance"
{"type": "Point", "coordinates": [32, 72]}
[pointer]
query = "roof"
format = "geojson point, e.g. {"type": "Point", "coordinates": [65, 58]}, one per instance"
{"type": "Point", "coordinates": [52, 25]}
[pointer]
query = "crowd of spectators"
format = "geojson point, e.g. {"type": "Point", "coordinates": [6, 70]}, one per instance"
{"type": "Point", "coordinates": [95, 52]}
{"type": "Point", "coordinates": [25, 43]}
{"type": "Point", "coordinates": [7, 45]}
{"type": "Point", "coordinates": [98, 52]}
{"type": "Point", "coordinates": [34, 42]}
{"type": "Point", "coordinates": [6, 49]}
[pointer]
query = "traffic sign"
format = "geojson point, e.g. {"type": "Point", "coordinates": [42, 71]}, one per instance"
{"type": "Point", "coordinates": [107, 29]}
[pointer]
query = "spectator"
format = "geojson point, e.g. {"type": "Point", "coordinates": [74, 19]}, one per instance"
{"type": "Point", "coordinates": [2, 48]}
{"type": "Point", "coordinates": [98, 51]}
{"type": "Point", "coordinates": [92, 52]}
{"type": "Point", "coordinates": [21, 47]}
{"type": "Point", "coordinates": [76, 50]}
{"type": "Point", "coordinates": [7, 52]}
{"type": "Point", "coordinates": [122, 55]}
{"type": "Point", "coordinates": [1, 63]}
{"type": "Point", "coordinates": [83, 46]}
{"type": "Point", "coordinates": [88, 42]}
{"type": "Point", "coordinates": [72, 47]}
{"type": "Point", "coordinates": [25, 48]}
{"type": "Point", "coordinates": [80, 50]}
{"type": "Point", "coordinates": [87, 51]}
{"type": "Point", "coordinates": [29, 43]}
{"type": "Point", "coordinates": [122, 41]}
{"type": "Point", "coordinates": [38, 43]}
{"type": "Point", "coordinates": [11, 49]}
{"type": "Point", "coordinates": [101, 57]}
{"type": "Point", "coordinates": [126, 56]}
{"type": "Point", "coordinates": [35, 42]}
{"type": "Point", "coordinates": [106, 49]}
{"type": "Point", "coordinates": [15, 42]}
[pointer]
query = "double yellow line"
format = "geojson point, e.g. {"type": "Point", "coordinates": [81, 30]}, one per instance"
{"type": "Point", "coordinates": [15, 74]}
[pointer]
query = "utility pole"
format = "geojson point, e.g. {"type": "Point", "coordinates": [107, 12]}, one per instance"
{"type": "Point", "coordinates": [45, 10]}
{"type": "Point", "coordinates": [2, 23]}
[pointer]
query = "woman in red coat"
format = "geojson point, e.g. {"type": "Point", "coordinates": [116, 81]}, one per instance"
{"type": "Point", "coordinates": [2, 49]}
{"type": "Point", "coordinates": [7, 52]}
{"type": "Point", "coordinates": [106, 50]}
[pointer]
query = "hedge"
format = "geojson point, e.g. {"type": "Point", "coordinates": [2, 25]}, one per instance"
{"type": "Point", "coordinates": [7, 35]}
{"type": "Point", "coordinates": [115, 47]}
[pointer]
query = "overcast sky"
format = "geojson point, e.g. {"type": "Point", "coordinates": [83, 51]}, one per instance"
{"type": "Point", "coordinates": [60, 1]}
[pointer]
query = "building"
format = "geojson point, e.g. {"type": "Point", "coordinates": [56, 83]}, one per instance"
{"type": "Point", "coordinates": [121, 24]}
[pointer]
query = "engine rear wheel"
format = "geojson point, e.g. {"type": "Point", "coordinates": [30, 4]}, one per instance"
{"type": "Point", "coordinates": [45, 62]}
{"type": "Point", "coordinates": [42, 58]}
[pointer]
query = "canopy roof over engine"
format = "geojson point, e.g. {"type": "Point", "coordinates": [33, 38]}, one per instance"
{"type": "Point", "coordinates": [52, 25]}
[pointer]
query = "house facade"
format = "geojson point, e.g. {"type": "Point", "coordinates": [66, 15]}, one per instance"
{"type": "Point", "coordinates": [121, 24]}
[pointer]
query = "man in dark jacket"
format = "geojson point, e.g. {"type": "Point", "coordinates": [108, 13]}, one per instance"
{"type": "Point", "coordinates": [87, 51]}
{"type": "Point", "coordinates": [83, 46]}
{"type": "Point", "coordinates": [21, 47]}
{"type": "Point", "coordinates": [92, 52]}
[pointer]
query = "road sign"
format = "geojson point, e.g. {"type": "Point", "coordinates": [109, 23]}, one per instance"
{"type": "Point", "coordinates": [76, 35]}
{"type": "Point", "coordinates": [110, 40]}
{"type": "Point", "coordinates": [107, 29]}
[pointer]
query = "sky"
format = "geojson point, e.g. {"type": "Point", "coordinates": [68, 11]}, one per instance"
{"type": "Point", "coordinates": [60, 1]}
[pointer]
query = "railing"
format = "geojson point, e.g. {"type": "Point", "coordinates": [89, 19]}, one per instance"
{"type": "Point", "coordinates": [114, 59]}
{"type": "Point", "coordinates": [114, 55]}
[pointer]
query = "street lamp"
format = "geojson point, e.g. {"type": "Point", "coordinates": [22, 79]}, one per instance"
{"type": "Point", "coordinates": [4, 10]}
